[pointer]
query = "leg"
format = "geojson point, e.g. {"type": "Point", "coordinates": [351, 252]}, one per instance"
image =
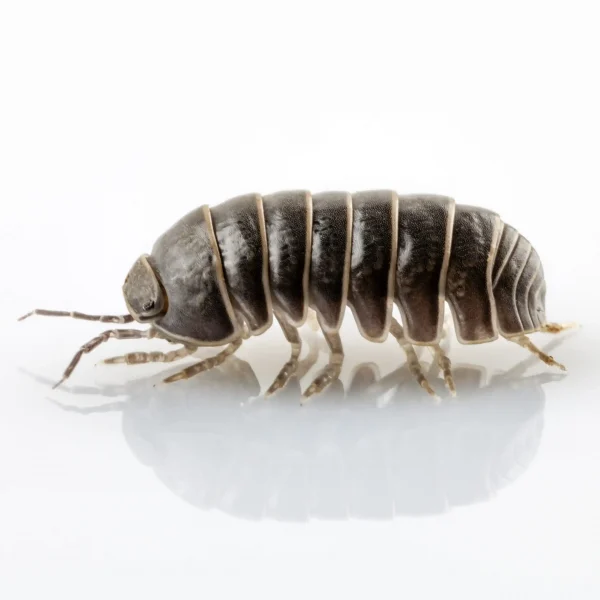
{"type": "Point", "coordinates": [308, 362]}
{"type": "Point", "coordinates": [78, 315]}
{"type": "Point", "coordinates": [205, 365]}
{"type": "Point", "coordinates": [411, 356]}
{"type": "Point", "coordinates": [245, 331]}
{"type": "Point", "coordinates": [525, 342]}
{"type": "Point", "coordinates": [442, 360]}
{"type": "Point", "coordinates": [556, 327]}
{"type": "Point", "coordinates": [445, 366]}
{"type": "Point", "coordinates": [332, 371]}
{"type": "Point", "coordinates": [139, 358]}
{"type": "Point", "coordinates": [291, 366]}
{"type": "Point", "coordinates": [530, 361]}
{"type": "Point", "coordinates": [312, 320]}
{"type": "Point", "coordinates": [118, 334]}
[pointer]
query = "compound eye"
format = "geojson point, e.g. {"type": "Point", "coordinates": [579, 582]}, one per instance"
{"type": "Point", "coordinates": [148, 306]}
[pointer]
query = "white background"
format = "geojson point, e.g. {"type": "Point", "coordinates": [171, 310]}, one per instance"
{"type": "Point", "coordinates": [116, 118]}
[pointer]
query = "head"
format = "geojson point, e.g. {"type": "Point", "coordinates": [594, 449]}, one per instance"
{"type": "Point", "coordinates": [144, 295]}
{"type": "Point", "coordinates": [180, 286]}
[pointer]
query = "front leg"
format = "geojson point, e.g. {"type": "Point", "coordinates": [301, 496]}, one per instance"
{"type": "Point", "coordinates": [118, 334]}
{"type": "Point", "coordinates": [207, 364]}
{"type": "Point", "coordinates": [140, 358]}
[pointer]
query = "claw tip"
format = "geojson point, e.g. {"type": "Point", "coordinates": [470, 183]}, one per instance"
{"type": "Point", "coordinates": [305, 396]}
{"type": "Point", "coordinates": [57, 383]}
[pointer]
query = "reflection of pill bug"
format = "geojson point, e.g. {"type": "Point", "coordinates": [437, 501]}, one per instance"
{"type": "Point", "coordinates": [219, 275]}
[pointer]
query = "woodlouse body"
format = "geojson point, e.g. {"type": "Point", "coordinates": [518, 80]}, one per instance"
{"type": "Point", "coordinates": [243, 259]}
{"type": "Point", "coordinates": [221, 274]}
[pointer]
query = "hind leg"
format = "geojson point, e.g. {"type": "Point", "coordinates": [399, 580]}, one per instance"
{"type": "Point", "coordinates": [525, 342]}
{"type": "Point", "coordinates": [556, 327]}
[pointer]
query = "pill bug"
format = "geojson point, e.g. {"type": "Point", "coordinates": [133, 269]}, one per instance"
{"type": "Point", "coordinates": [222, 274]}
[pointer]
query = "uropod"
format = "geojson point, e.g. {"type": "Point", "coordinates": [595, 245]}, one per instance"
{"type": "Point", "coordinates": [222, 274]}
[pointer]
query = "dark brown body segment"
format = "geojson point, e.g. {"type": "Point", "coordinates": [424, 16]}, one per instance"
{"type": "Point", "coordinates": [240, 230]}
{"type": "Point", "coordinates": [330, 257]}
{"type": "Point", "coordinates": [468, 287]}
{"type": "Point", "coordinates": [425, 224]}
{"type": "Point", "coordinates": [188, 265]}
{"type": "Point", "coordinates": [288, 218]}
{"type": "Point", "coordinates": [373, 262]}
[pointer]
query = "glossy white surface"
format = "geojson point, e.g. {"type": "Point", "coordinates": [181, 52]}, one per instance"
{"type": "Point", "coordinates": [114, 124]}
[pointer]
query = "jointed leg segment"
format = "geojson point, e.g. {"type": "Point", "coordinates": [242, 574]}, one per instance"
{"type": "Point", "coordinates": [207, 364]}
{"type": "Point", "coordinates": [313, 320]}
{"type": "Point", "coordinates": [556, 327]}
{"type": "Point", "coordinates": [139, 358]}
{"type": "Point", "coordinates": [411, 356]}
{"type": "Point", "coordinates": [78, 315]}
{"type": "Point", "coordinates": [291, 366]}
{"type": "Point", "coordinates": [445, 366]}
{"type": "Point", "coordinates": [118, 334]}
{"type": "Point", "coordinates": [332, 371]}
{"type": "Point", "coordinates": [525, 342]}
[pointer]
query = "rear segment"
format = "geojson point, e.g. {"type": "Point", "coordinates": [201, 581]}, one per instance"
{"type": "Point", "coordinates": [518, 285]}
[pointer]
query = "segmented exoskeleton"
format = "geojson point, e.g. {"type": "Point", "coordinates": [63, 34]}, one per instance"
{"type": "Point", "coordinates": [221, 273]}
